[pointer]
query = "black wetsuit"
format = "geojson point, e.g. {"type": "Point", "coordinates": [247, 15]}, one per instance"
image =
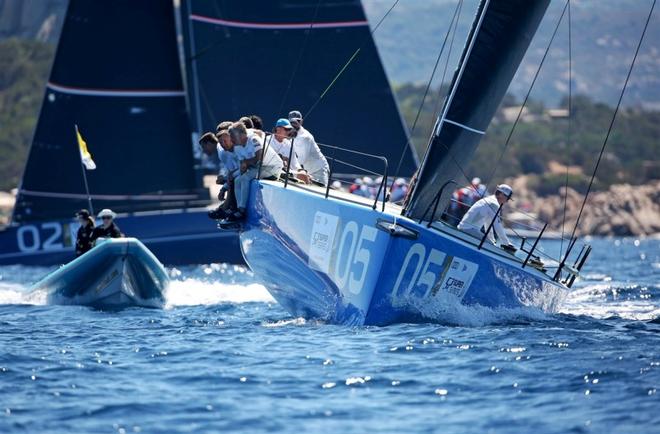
{"type": "Point", "coordinates": [111, 231]}
{"type": "Point", "coordinates": [84, 238]}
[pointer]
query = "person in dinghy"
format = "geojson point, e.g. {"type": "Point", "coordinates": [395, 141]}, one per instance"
{"type": "Point", "coordinates": [84, 235]}
{"type": "Point", "coordinates": [481, 214]}
{"type": "Point", "coordinates": [108, 228]}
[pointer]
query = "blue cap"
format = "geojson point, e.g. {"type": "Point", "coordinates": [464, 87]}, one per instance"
{"type": "Point", "coordinates": [283, 123]}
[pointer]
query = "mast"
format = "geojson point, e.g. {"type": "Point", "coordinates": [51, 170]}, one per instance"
{"type": "Point", "coordinates": [498, 40]}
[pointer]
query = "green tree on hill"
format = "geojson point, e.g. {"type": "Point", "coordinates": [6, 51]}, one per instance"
{"type": "Point", "coordinates": [24, 68]}
{"type": "Point", "coordinates": [631, 154]}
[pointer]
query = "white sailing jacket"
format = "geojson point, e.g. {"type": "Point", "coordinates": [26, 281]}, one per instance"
{"type": "Point", "coordinates": [480, 215]}
{"type": "Point", "coordinates": [310, 156]}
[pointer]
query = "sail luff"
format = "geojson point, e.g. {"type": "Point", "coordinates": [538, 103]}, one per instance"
{"type": "Point", "coordinates": [500, 36]}
{"type": "Point", "coordinates": [459, 72]}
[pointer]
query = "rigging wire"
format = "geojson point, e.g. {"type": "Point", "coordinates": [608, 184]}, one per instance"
{"type": "Point", "coordinates": [300, 56]}
{"type": "Point", "coordinates": [426, 91]}
{"type": "Point", "coordinates": [569, 131]}
{"type": "Point", "coordinates": [522, 107]}
{"type": "Point", "coordinates": [350, 60]}
{"type": "Point", "coordinates": [616, 111]}
{"type": "Point", "coordinates": [436, 109]}
{"type": "Point", "coordinates": [506, 144]}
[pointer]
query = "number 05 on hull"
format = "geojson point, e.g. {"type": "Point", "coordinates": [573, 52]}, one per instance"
{"type": "Point", "coordinates": [346, 263]}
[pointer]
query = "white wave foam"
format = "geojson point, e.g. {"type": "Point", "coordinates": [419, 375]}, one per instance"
{"type": "Point", "coordinates": [447, 309]}
{"type": "Point", "coordinates": [14, 293]}
{"type": "Point", "coordinates": [285, 323]}
{"type": "Point", "coordinates": [193, 292]}
{"type": "Point", "coordinates": [592, 301]}
{"type": "Point", "coordinates": [187, 292]}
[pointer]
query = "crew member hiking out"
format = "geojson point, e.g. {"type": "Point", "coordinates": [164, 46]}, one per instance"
{"type": "Point", "coordinates": [481, 214]}
{"type": "Point", "coordinates": [84, 235]}
{"type": "Point", "coordinates": [281, 143]}
{"type": "Point", "coordinates": [248, 148]}
{"type": "Point", "coordinates": [309, 155]}
{"type": "Point", "coordinates": [108, 229]}
{"type": "Point", "coordinates": [221, 144]}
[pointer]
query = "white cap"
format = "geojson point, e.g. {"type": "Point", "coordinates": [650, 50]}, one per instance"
{"type": "Point", "coordinates": [506, 190]}
{"type": "Point", "coordinates": [336, 185]}
{"type": "Point", "coordinates": [107, 213]}
{"type": "Point", "coordinates": [476, 181]}
{"type": "Point", "coordinates": [367, 180]}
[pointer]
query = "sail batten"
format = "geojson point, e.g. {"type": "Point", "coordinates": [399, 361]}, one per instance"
{"type": "Point", "coordinates": [493, 51]}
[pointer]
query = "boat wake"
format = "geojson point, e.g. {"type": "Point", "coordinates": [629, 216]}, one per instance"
{"type": "Point", "coordinates": [189, 286]}
{"type": "Point", "coordinates": [606, 300]}
{"type": "Point", "coordinates": [447, 309]}
{"type": "Point", "coordinates": [15, 293]}
{"type": "Point", "coordinates": [193, 292]}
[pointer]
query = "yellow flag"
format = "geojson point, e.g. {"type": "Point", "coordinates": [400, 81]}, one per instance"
{"type": "Point", "coordinates": [85, 156]}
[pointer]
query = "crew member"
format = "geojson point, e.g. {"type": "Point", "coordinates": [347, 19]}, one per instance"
{"type": "Point", "coordinates": [281, 144]}
{"type": "Point", "coordinates": [249, 148]}
{"type": "Point", "coordinates": [108, 229]}
{"type": "Point", "coordinates": [219, 143]}
{"type": "Point", "coordinates": [309, 155]}
{"type": "Point", "coordinates": [462, 199]}
{"type": "Point", "coordinates": [257, 123]}
{"type": "Point", "coordinates": [481, 214]}
{"type": "Point", "coordinates": [83, 237]}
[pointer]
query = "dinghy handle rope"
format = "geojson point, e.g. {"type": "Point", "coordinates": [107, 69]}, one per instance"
{"type": "Point", "coordinates": [609, 130]}
{"type": "Point", "coordinates": [428, 86]}
{"type": "Point", "coordinates": [350, 60]}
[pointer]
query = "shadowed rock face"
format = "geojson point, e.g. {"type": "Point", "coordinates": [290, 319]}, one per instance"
{"type": "Point", "coordinates": [39, 19]}
{"type": "Point", "coordinates": [623, 210]}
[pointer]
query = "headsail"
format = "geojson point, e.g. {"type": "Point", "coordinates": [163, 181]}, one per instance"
{"type": "Point", "coordinates": [281, 55]}
{"type": "Point", "coordinates": [498, 40]}
{"type": "Point", "coordinates": [117, 76]}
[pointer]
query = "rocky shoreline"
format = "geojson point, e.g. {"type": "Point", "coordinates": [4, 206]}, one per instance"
{"type": "Point", "coordinates": [622, 210]}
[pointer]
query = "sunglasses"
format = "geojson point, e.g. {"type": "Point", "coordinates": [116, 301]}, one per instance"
{"type": "Point", "coordinates": [106, 218]}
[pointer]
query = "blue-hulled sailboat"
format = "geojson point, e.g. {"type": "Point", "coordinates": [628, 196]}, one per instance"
{"type": "Point", "coordinates": [335, 257]}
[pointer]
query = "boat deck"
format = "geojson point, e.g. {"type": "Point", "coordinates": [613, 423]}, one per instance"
{"type": "Point", "coordinates": [437, 225]}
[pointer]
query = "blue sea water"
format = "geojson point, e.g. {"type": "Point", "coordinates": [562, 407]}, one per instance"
{"type": "Point", "coordinates": [223, 356]}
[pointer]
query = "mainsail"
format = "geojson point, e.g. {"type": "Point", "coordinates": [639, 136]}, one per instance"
{"type": "Point", "coordinates": [495, 47]}
{"type": "Point", "coordinates": [117, 76]}
{"type": "Point", "coordinates": [274, 56]}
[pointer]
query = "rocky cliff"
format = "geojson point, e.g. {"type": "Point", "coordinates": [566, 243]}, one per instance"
{"type": "Point", "coordinates": [39, 19]}
{"type": "Point", "coordinates": [623, 210]}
